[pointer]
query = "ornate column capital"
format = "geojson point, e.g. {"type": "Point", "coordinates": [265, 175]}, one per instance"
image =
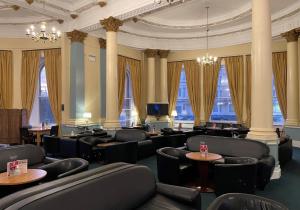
{"type": "Point", "coordinates": [111, 24]}
{"type": "Point", "coordinates": [292, 35]}
{"type": "Point", "coordinates": [76, 36]}
{"type": "Point", "coordinates": [150, 53]}
{"type": "Point", "coordinates": [102, 43]}
{"type": "Point", "coordinates": [163, 53]}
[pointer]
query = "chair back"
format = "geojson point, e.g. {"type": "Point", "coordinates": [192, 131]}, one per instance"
{"type": "Point", "coordinates": [54, 130]}
{"type": "Point", "coordinates": [51, 144]}
{"type": "Point", "coordinates": [24, 132]}
{"type": "Point", "coordinates": [130, 135]}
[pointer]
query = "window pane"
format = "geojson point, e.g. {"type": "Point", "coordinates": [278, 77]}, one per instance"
{"type": "Point", "coordinates": [183, 106]}
{"type": "Point", "coordinates": [277, 115]}
{"type": "Point", "coordinates": [128, 116]}
{"type": "Point", "coordinates": [44, 104]}
{"type": "Point", "coordinates": [223, 109]}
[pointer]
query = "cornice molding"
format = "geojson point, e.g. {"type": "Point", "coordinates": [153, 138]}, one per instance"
{"type": "Point", "coordinates": [163, 53]}
{"type": "Point", "coordinates": [151, 53]}
{"type": "Point", "coordinates": [102, 43]}
{"type": "Point", "coordinates": [111, 24]}
{"type": "Point", "coordinates": [76, 36]}
{"type": "Point", "coordinates": [291, 36]}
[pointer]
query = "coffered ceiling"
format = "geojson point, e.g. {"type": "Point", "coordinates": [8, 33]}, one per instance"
{"type": "Point", "coordinates": [178, 26]}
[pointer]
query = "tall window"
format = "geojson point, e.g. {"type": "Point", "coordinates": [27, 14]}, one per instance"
{"type": "Point", "coordinates": [277, 115]}
{"type": "Point", "coordinates": [128, 115]}
{"type": "Point", "coordinates": [223, 109]}
{"type": "Point", "coordinates": [41, 111]}
{"type": "Point", "coordinates": [183, 106]}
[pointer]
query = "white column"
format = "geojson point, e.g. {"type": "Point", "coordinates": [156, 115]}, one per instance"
{"type": "Point", "coordinates": [112, 113]}
{"type": "Point", "coordinates": [292, 78]}
{"type": "Point", "coordinates": [164, 75]}
{"type": "Point", "coordinates": [262, 103]}
{"type": "Point", "coordinates": [151, 54]}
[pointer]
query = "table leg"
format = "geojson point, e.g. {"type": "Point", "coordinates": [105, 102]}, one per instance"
{"type": "Point", "coordinates": [203, 172]}
{"type": "Point", "coordinates": [38, 138]}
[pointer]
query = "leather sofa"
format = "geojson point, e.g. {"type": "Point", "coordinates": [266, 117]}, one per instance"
{"type": "Point", "coordinates": [231, 147]}
{"type": "Point", "coordinates": [235, 201]}
{"type": "Point", "coordinates": [235, 175]}
{"type": "Point", "coordinates": [145, 145]}
{"type": "Point", "coordinates": [34, 154]}
{"type": "Point", "coordinates": [114, 186]}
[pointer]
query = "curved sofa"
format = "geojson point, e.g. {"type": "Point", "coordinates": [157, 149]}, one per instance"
{"type": "Point", "coordinates": [231, 147]}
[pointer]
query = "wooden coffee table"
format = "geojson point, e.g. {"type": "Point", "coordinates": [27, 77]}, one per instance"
{"type": "Point", "coordinates": [203, 164]}
{"type": "Point", "coordinates": [32, 175]}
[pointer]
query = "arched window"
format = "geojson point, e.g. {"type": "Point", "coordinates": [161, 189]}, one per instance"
{"type": "Point", "coordinates": [223, 109]}
{"type": "Point", "coordinates": [127, 116]}
{"type": "Point", "coordinates": [41, 111]}
{"type": "Point", "coordinates": [183, 106]}
{"type": "Point", "coordinates": [277, 115]}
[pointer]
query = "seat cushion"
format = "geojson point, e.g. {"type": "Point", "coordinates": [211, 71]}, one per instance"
{"type": "Point", "coordinates": [160, 202]}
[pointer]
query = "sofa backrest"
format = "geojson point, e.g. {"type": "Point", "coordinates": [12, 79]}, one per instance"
{"type": "Point", "coordinates": [229, 146]}
{"type": "Point", "coordinates": [124, 187]}
{"type": "Point", "coordinates": [130, 135]}
{"type": "Point", "coordinates": [33, 153]}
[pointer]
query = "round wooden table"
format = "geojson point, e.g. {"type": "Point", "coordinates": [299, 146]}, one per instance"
{"type": "Point", "coordinates": [32, 175]}
{"type": "Point", "coordinates": [203, 164]}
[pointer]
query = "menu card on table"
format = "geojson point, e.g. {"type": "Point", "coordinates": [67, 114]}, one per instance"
{"type": "Point", "coordinates": [17, 167]}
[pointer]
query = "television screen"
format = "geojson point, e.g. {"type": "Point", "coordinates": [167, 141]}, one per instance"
{"type": "Point", "coordinates": [157, 109]}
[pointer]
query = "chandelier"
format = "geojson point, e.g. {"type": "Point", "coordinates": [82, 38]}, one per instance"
{"type": "Point", "coordinates": [43, 34]}
{"type": "Point", "coordinates": [207, 59]}
{"type": "Point", "coordinates": [168, 1]}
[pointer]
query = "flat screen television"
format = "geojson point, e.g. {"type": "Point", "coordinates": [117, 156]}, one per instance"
{"type": "Point", "coordinates": [157, 109]}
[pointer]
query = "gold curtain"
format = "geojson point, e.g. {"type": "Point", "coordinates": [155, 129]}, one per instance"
{"type": "Point", "coordinates": [6, 79]}
{"type": "Point", "coordinates": [174, 71]}
{"type": "Point", "coordinates": [136, 77]}
{"type": "Point", "coordinates": [121, 80]}
{"type": "Point", "coordinates": [248, 90]}
{"type": "Point", "coordinates": [29, 78]}
{"type": "Point", "coordinates": [53, 74]}
{"type": "Point", "coordinates": [235, 74]}
{"type": "Point", "coordinates": [210, 84]}
{"type": "Point", "coordinates": [279, 63]}
{"type": "Point", "coordinates": [193, 76]}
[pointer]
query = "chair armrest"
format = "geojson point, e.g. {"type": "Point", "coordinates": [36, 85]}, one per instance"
{"type": "Point", "coordinates": [48, 160]}
{"type": "Point", "coordinates": [187, 195]}
{"type": "Point", "coordinates": [73, 171]}
{"type": "Point", "coordinates": [183, 147]}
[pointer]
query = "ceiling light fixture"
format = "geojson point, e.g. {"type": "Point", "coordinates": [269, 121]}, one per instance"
{"type": "Point", "coordinates": [43, 34]}
{"type": "Point", "coordinates": [207, 59]}
{"type": "Point", "coordinates": [168, 1]}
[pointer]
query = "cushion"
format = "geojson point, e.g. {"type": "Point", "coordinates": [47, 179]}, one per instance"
{"type": "Point", "coordinates": [130, 135]}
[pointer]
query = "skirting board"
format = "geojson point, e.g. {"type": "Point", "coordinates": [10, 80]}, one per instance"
{"type": "Point", "coordinates": [296, 144]}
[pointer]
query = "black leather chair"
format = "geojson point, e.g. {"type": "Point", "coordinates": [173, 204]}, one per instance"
{"type": "Point", "coordinates": [51, 145]}
{"type": "Point", "coordinates": [231, 147]}
{"type": "Point", "coordinates": [237, 201]}
{"type": "Point", "coordinates": [114, 186]}
{"type": "Point", "coordinates": [172, 166]}
{"type": "Point", "coordinates": [145, 145]}
{"type": "Point", "coordinates": [63, 168]}
{"type": "Point", "coordinates": [54, 130]}
{"type": "Point", "coordinates": [87, 148]}
{"type": "Point", "coordinates": [68, 147]}
{"type": "Point", "coordinates": [34, 154]}
{"type": "Point", "coordinates": [26, 137]}
{"type": "Point", "coordinates": [235, 175]}
{"type": "Point", "coordinates": [285, 150]}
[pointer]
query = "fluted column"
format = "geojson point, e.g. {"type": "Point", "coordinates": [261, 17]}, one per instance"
{"type": "Point", "coordinates": [111, 25]}
{"type": "Point", "coordinates": [292, 78]}
{"type": "Point", "coordinates": [102, 91]}
{"type": "Point", "coordinates": [261, 95]}
{"type": "Point", "coordinates": [164, 75]}
{"type": "Point", "coordinates": [151, 54]}
{"type": "Point", "coordinates": [262, 100]}
{"type": "Point", "coordinates": [77, 84]}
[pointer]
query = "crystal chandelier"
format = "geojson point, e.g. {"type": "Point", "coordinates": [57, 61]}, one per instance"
{"type": "Point", "coordinates": [43, 34]}
{"type": "Point", "coordinates": [207, 59]}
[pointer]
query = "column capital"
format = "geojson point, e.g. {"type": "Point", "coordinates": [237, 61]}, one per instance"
{"type": "Point", "coordinates": [76, 36]}
{"type": "Point", "coordinates": [163, 53]}
{"type": "Point", "coordinates": [102, 43]}
{"type": "Point", "coordinates": [150, 53]}
{"type": "Point", "coordinates": [291, 36]}
{"type": "Point", "coordinates": [111, 24]}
